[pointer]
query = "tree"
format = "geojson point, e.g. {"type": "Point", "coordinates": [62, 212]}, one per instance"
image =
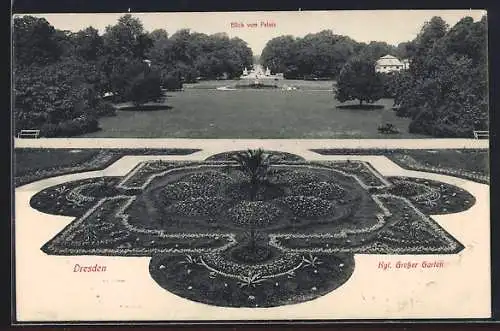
{"type": "Point", "coordinates": [127, 38]}
{"type": "Point", "coordinates": [35, 42]}
{"type": "Point", "coordinates": [431, 32]}
{"type": "Point", "coordinates": [375, 50]}
{"type": "Point", "coordinates": [404, 50]}
{"type": "Point", "coordinates": [315, 55]}
{"type": "Point", "coordinates": [255, 163]}
{"type": "Point", "coordinates": [145, 88]}
{"type": "Point", "coordinates": [278, 53]}
{"type": "Point", "coordinates": [60, 96]}
{"type": "Point", "coordinates": [358, 80]}
{"type": "Point", "coordinates": [445, 91]}
{"type": "Point", "coordinates": [125, 45]}
{"type": "Point", "coordinates": [88, 44]}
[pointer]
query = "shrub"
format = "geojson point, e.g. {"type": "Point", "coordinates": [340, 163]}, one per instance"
{"type": "Point", "coordinates": [49, 130]}
{"type": "Point", "coordinates": [172, 83]}
{"type": "Point", "coordinates": [53, 94]}
{"type": "Point", "coordinates": [144, 89]}
{"type": "Point", "coordinates": [73, 127]}
{"type": "Point", "coordinates": [105, 108]}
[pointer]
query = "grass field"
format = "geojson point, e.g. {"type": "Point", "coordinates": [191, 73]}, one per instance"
{"type": "Point", "coordinates": [201, 111]}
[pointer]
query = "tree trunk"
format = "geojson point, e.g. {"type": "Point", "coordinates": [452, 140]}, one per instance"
{"type": "Point", "coordinates": [252, 238]}
{"type": "Point", "coordinates": [253, 189]}
{"type": "Point", "coordinates": [360, 102]}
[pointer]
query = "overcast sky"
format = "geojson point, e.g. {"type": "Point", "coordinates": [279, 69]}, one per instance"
{"type": "Point", "coordinates": [391, 26]}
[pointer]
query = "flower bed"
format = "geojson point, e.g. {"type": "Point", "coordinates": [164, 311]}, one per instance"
{"type": "Point", "coordinates": [144, 172]}
{"type": "Point", "coordinates": [73, 198]}
{"type": "Point", "coordinates": [308, 207]}
{"type": "Point", "coordinates": [194, 282]}
{"type": "Point", "coordinates": [198, 206]}
{"type": "Point", "coordinates": [323, 190]}
{"type": "Point", "coordinates": [432, 197]}
{"type": "Point", "coordinates": [186, 190]}
{"type": "Point", "coordinates": [218, 238]}
{"type": "Point", "coordinates": [210, 177]}
{"type": "Point", "coordinates": [254, 214]}
{"type": "Point", "coordinates": [292, 176]}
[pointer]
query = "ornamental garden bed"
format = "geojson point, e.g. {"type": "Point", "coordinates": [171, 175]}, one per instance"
{"type": "Point", "coordinates": [471, 164]}
{"type": "Point", "coordinates": [268, 230]}
{"type": "Point", "coordinates": [32, 164]}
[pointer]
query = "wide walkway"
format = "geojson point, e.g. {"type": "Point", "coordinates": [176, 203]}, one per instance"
{"type": "Point", "coordinates": [48, 288]}
{"type": "Point", "coordinates": [248, 143]}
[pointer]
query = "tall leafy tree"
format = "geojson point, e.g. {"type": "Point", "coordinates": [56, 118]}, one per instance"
{"type": "Point", "coordinates": [319, 54]}
{"type": "Point", "coordinates": [376, 49]}
{"type": "Point", "coordinates": [445, 91]}
{"type": "Point", "coordinates": [125, 45]}
{"type": "Point", "coordinates": [358, 80]}
{"type": "Point", "coordinates": [88, 44]}
{"type": "Point", "coordinates": [35, 42]}
{"type": "Point", "coordinates": [278, 53]}
{"type": "Point", "coordinates": [54, 93]}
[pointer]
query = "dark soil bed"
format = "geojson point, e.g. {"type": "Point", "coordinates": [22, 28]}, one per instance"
{"type": "Point", "coordinates": [195, 282]}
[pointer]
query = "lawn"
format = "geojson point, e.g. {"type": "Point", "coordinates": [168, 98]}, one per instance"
{"type": "Point", "coordinates": [202, 111]}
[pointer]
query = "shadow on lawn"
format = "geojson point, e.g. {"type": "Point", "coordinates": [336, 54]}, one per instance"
{"type": "Point", "coordinates": [361, 107]}
{"type": "Point", "coordinates": [145, 108]}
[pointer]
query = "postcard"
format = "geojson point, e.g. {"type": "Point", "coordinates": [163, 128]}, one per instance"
{"type": "Point", "coordinates": [251, 166]}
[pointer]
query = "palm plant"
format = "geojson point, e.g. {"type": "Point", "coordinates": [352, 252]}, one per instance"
{"type": "Point", "coordinates": [255, 163]}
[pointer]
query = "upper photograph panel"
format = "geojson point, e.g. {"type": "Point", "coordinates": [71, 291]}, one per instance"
{"type": "Point", "coordinates": [375, 74]}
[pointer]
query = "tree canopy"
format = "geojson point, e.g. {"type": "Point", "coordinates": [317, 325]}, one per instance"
{"type": "Point", "coordinates": [189, 55]}
{"type": "Point", "coordinates": [358, 80]}
{"type": "Point", "coordinates": [445, 91]}
{"type": "Point", "coordinates": [315, 55]}
{"type": "Point", "coordinates": [35, 42]}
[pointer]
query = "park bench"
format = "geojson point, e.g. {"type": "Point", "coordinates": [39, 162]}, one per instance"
{"type": "Point", "coordinates": [28, 134]}
{"type": "Point", "coordinates": [481, 134]}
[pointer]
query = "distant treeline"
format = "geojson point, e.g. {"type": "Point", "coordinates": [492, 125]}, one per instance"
{"type": "Point", "coordinates": [322, 54]}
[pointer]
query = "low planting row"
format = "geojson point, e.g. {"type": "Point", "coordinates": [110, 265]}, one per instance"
{"type": "Point", "coordinates": [471, 164]}
{"type": "Point", "coordinates": [32, 164]}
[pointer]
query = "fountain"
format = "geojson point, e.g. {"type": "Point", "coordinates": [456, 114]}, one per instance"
{"type": "Point", "coordinates": [259, 78]}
